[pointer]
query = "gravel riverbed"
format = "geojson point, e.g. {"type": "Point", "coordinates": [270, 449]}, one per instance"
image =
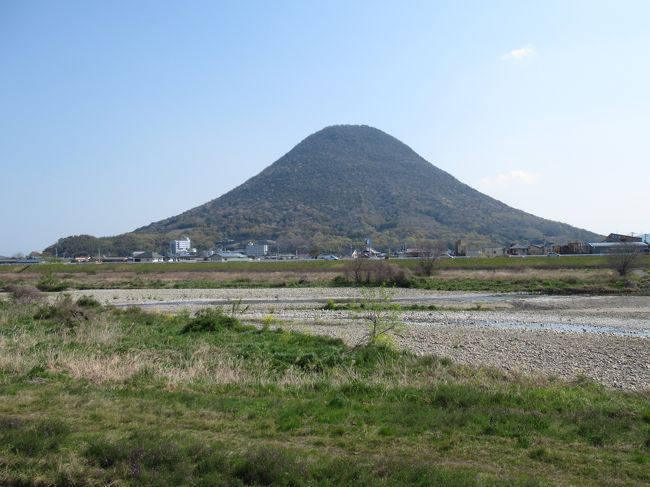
{"type": "Point", "coordinates": [605, 338]}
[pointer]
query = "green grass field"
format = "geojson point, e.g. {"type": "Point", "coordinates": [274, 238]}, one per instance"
{"type": "Point", "coordinates": [541, 262]}
{"type": "Point", "coordinates": [545, 275]}
{"type": "Point", "coordinates": [95, 396]}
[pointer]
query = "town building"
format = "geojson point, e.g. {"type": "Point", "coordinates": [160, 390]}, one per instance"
{"type": "Point", "coordinates": [617, 237]}
{"type": "Point", "coordinates": [618, 247]}
{"type": "Point", "coordinates": [148, 256]}
{"type": "Point", "coordinates": [256, 250]}
{"type": "Point", "coordinates": [493, 252]}
{"type": "Point", "coordinates": [460, 248]}
{"type": "Point", "coordinates": [228, 256]}
{"type": "Point", "coordinates": [517, 249]}
{"type": "Point", "coordinates": [180, 247]}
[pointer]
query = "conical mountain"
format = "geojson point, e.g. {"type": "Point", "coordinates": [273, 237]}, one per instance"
{"type": "Point", "coordinates": [345, 183]}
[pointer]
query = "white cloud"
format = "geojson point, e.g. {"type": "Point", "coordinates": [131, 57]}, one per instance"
{"type": "Point", "coordinates": [518, 54]}
{"type": "Point", "coordinates": [509, 179]}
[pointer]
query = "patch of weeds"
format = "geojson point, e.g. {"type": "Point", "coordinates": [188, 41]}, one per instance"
{"type": "Point", "coordinates": [598, 428]}
{"type": "Point", "coordinates": [32, 438]}
{"type": "Point", "coordinates": [267, 321]}
{"type": "Point", "coordinates": [142, 457]}
{"type": "Point", "coordinates": [139, 283]}
{"type": "Point", "coordinates": [209, 320]}
{"type": "Point", "coordinates": [24, 294]}
{"type": "Point", "coordinates": [369, 357]}
{"type": "Point", "coordinates": [88, 302]}
{"type": "Point", "coordinates": [269, 466]}
{"type": "Point", "coordinates": [420, 307]}
{"type": "Point", "coordinates": [49, 283]}
{"type": "Point", "coordinates": [64, 311]}
{"type": "Point", "coordinates": [39, 374]}
{"type": "Point", "coordinates": [137, 315]}
{"type": "Point", "coordinates": [283, 349]}
{"type": "Point", "coordinates": [446, 362]}
{"type": "Point", "coordinates": [339, 401]}
{"type": "Point", "coordinates": [457, 396]}
{"type": "Point", "coordinates": [541, 454]}
{"type": "Point", "coordinates": [341, 281]}
{"type": "Point", "coordinates": [237, 308]}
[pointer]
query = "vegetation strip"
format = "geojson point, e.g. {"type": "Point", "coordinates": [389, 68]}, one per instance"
{"type": "Point", "coordinates": [539, 275]}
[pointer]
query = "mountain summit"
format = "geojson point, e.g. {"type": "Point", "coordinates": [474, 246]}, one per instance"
{"type": "Point", "coordinates": [348, 182]}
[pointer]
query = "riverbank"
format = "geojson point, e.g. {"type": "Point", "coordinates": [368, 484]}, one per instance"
{"type": "Point", "coordinates": [603, 338]}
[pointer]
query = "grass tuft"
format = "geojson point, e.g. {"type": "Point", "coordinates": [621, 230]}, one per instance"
{"type": "Point", "coordinates": [210, 320]}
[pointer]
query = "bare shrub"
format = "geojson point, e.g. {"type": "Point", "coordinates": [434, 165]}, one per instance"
{"type": "Point", "coordinates": [24, 293]}
{"type": "Point", "coordinates": [429, 252]}
{"type": "Point", "coordinates": [626, 258]}
{"type": "Point", "coordinates": [377, 272]}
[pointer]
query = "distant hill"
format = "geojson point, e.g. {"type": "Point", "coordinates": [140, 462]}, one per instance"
{"type": "Point", "coordinates": [341, 185]}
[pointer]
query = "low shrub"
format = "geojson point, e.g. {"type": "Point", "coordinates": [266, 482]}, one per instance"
{"type": "Point", "coordinates": [24, 293]}
{"type": "Point", "coordinates": [209, 320]}
{"type": "Point", "coordinates": [376, 273]}
{"type": "Point", "coordinates": [65, 311]}
{"type": "Point", "coordinates": [135, 314]}
{"type": "Point", "coordinates": [88, 302]}
{"type": "Point", "coordinates": [49, 283]}
{"type": "Point", "coordinates": [341, 281]}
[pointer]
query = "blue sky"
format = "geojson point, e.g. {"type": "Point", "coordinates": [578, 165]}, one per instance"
{"type": "Point", "coordinates": [117, 114]}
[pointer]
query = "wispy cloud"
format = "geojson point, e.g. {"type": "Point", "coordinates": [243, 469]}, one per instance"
{"type": "Point", "coordinates": [518, 54]}
{"type": "Point", "coordinates": [509, 179]}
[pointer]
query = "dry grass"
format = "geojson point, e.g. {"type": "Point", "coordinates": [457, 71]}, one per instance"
{"type": "Point", "coordinates": [526, 273]}
{"type": "Point", "coordinates": [206, 364]}
{"type": "Point", "coordinates": [25, 294]}
{"type": "Point", "coordinates": [107, 279]}
{"type": "Point", "coordinates": [94, 367]}
{"type": "Point", "coordinates": [17, 353]}
{"type": "Point", "coordinates": [100, 331]}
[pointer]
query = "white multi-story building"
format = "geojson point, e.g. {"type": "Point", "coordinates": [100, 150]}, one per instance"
{"type": "Point", "coordinates": [256, 250]}
{"type": "Point", "coordinates": [180, 247]}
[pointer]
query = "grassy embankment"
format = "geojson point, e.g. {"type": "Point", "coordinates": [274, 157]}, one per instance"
{"type": "Point", "coordinates": [550, 275]}
{"type": "Point", "coordinates": [91, 395]}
